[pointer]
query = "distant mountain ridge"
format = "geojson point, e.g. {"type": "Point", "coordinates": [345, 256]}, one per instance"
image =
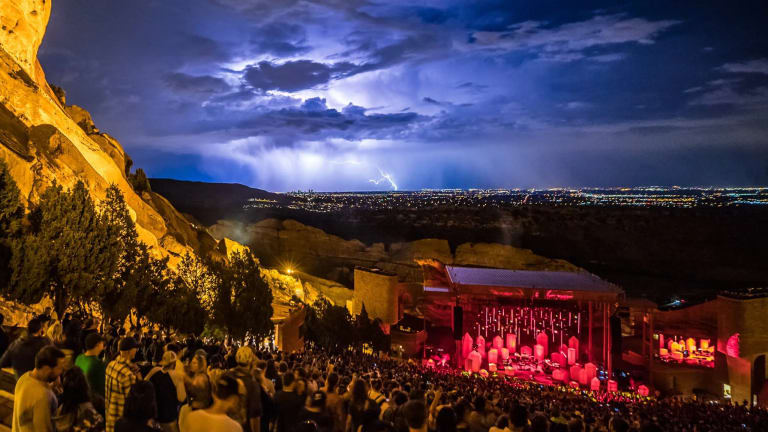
{"type": "Point", "coordinates": [201, 198]}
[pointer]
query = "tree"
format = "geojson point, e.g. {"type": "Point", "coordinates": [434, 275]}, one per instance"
{"type": "Point", "coordinates": [242, 301]}
{"type": "Point", "coordinates": [67, 252]}
{"type": "Point", "coordinates": [11, 218]}
{"type": "Point", "coordinates": [178, 307]}
{"type": "Point", "coordinates": [370, 332]}
{"type": "Point", "coordinates": [328, 326]}
{"type": "Point", "coordinates": [199, 279]}
{"type": "Point", "coordinates": [139, 181]}
{"type": "Point", "coordinates": [126, 278]}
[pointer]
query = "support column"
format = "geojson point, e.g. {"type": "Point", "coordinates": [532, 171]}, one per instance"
{"type": "Point", "coordinates": [606, 334]}
{"type": "Point", "coordinates": [651, 348]}
{"type": "Point", "coordinates": [645, 334]}
{"type": "Point", "coordinates": [589, 340]}
{"type": "Point", "coordinates": [609, 339]}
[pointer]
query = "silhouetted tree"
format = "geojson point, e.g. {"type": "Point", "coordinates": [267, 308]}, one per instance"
{"type": "Point", "coordinates": [328, 326]}
{"type": "Point", "coordinates": [369, 331]}
{"type": "Point", "coordinates": [243, 301]}
{"type": "Point", "coordinates": [11, 218]}
{"type": "Point", "coordinates": [126, 278]}
{"type": "Point", "coordinates": [139, 181]}
{"type": "Point", "coordinates": [67, 252]}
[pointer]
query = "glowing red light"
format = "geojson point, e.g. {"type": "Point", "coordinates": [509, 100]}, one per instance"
{"type": "Point", "coordinates": [732, 346]}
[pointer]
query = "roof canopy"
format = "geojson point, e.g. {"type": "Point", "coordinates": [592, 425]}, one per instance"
{"type": "Point", "coordinates": [543, 285]}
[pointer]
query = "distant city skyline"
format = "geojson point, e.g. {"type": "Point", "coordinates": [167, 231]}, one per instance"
{"type": "Point", "coordinates": [352, 95]}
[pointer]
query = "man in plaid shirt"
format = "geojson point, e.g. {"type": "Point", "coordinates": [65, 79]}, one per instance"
{"type": "Point", "coordinates": [121, 375]}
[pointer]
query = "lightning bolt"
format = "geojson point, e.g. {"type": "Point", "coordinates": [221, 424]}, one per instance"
{"type": "Point", "coordinates": [384, 177]}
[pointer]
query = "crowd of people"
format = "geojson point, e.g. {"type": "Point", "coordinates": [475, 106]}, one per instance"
{"type": "Point", "coordinates": [71, 377]}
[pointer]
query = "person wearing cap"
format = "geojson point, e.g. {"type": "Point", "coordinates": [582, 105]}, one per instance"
{"type": "Point", "coordinates": [121, 374]}
{"type": "Point", "coordinates": [226, 398]}
{"type": "Point", "coordinates": [165, 392]}
{"type": "Point", "coordinates": [93, 367]}
{"type": "Point", "coordinates": [249, 413]}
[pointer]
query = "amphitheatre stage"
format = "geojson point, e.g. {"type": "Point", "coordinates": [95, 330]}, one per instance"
{"type": "Point", "coordinates": [553, 327]}
{"type": "Point", "coordinates": [574, 329]}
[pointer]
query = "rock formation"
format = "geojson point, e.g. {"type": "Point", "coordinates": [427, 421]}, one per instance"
{"type": "Point", "coordinates": [282, 242]}
{"type": "Point", "coordinates": [42, 139]}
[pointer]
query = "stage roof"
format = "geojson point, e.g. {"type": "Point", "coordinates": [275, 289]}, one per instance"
{"type": "Point", "coordinates": [529, 279]}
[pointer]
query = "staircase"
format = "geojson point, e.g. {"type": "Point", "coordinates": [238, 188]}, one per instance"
{"type": "Point", "coordinates": [7, 385]}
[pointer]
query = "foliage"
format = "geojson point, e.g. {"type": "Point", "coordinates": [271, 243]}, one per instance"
{"type": "Point", "coordinates": [328, 326]}
{"type": "Point", "coordinates": [81, 255]}
{"type": "Point", "coordinates": [11, 218]}
{"type": "Point", "coordinates": [67, 253]}
{"type": "Point", "coordinates": [176, 305]}
{"type": "Point", "coordinates": [200, 280]}
{"type": "Point", "coordinates": [139, 181]}
{"type": "Point", "coordinates": [118, 292]}
{"type": "Point", "coordinates": [370, 332]}
{"type": "Point", "coordinates": [242, 301]}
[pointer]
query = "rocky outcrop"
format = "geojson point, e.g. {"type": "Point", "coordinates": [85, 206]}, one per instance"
{"type": "Point", "coordinates": [290, 243]}
{"type": "Point", "coordinates": [508, 257]}
{"type": "Point", "coordinates": [42, 139]}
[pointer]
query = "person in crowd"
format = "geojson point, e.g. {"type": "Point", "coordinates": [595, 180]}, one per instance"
{"type": "Point", "coordinates": [178, 372]}
{"type": "Point", "coordinates": [21, 354]}
{"type": "Point", "coordinates": [375, 393]}
{"type": "Point", "coordinates": [288, 404]}
{"type": "Point", "coordinates": [140, 412]}
{"type": "Point", "coordinates": [445, 420]}
{"type": "Point", "coordinates": [334, 403]}
{"type": "Point", "coordinates": [518, 418]}
{"type": "Point", "coordinates": [502, 425]}
{"type": "Point", "coordinates": [226, 398]}
{"type": "Point", "coordinates": [121, 374]}
{"type": "Point", "coordinates": [93, 366]}
{"type": "Point", "coordinates": [91, 325]}
{"type": "Point", "coordinates": [76, 413]}
{"type": "Point", "coordinates": [165, 392]}
{"type": "Point", "coordinates": [483, 416]}
{"type": "Point", "coordinates": [415, 413]}
{"type": "Point", "coordinates": [197, 382]}
{"type": "Point", "coordinates": [359, 405]}
{"type": "Point", "coordinates": [249, 413]}
{"type": "Point", "coordinates": [34, 403]}
{"type": "Point", "coordinates": [315, 411]}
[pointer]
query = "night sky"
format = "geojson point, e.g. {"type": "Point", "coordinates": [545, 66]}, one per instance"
{"type": "Point", "coordinates": [365, 95]}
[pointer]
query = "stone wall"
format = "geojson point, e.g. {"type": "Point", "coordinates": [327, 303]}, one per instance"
{"type": "Point", "coordinates": [378, 292]}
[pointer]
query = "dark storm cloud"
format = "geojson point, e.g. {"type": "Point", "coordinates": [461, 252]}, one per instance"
{"type": "Point", "coordinates": [293, 75]}
{"type": "Point", "coordinates": [196, 48]}
{"type": "Point", "coordinates": [313, 117]}
{"type": "Point", "coordinates": [199, 85]}
{"type": "Point", "coordinates": [280, 39]}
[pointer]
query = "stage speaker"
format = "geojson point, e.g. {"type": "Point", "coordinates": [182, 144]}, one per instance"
{"type": "Point", "coordinates": [615, 334]}
{"type": "Point", "coordinates": [458, 322]}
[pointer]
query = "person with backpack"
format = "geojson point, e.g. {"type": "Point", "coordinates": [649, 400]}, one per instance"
{"type": "Point", "coordinates": [165, 392]}
{"type": "Point", "coordinates": [21, 354]}
{"type": "Point", "coordinates": [375, 394]}
{"type": "Point", "coordinates": [249, 412]}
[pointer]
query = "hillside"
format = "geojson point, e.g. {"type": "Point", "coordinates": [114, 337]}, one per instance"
{"type": "Point", "coordinates": [209, 202]}
{"type": "Point", "coordinates": [42, 139]}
